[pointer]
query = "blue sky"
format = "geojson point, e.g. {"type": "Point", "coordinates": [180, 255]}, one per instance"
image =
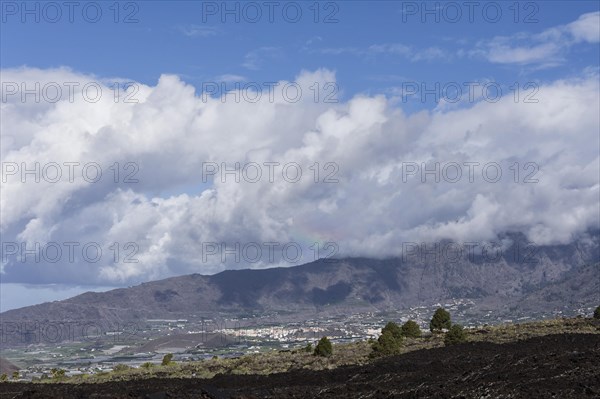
{"type": "Point", "coordinates": [375, 52]}
{"type": "Point", "coordinates": [179, 37]}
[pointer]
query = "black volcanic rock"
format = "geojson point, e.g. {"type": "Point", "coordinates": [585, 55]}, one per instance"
{"type": "Point", "coordinates": [552, 366]}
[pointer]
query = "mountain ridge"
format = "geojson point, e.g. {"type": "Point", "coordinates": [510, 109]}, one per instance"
{"type": "Point", "coordinates": [342, 286]}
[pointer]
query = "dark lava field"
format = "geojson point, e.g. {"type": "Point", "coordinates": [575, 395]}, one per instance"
{"type": "Point", "coordinates": [553, 366]}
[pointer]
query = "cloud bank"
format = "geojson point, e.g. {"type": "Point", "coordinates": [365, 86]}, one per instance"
{"type": "Point", "coordinates": [369, 145]}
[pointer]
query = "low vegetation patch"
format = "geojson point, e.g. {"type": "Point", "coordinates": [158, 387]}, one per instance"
{"type": "Point", "coordinates": [393, 341]}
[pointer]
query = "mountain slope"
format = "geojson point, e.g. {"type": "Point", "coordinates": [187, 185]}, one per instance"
{"type": "Point", "coordinates": [346, 285]}
{"type": "Point", "coordinates": [7, 367]}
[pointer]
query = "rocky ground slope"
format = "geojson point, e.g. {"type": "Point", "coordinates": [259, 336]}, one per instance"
{"type": "Point", "coordinates": [558, 365]}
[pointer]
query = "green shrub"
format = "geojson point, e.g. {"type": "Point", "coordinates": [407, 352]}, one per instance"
{"type": "Point", "coordinates": [455, 335]}
{"type": "Point", "coordinates": [308, 348]}
{"type": "Point", "coordinates": [3, 378]}
{"type": "Point", "coordinates": [411, 329]}
{"type": "Point", "coordinates": [147, 365]}
{"type": "Point", "coordinates": [323, 348]}
{"type": "Point", "coordinates": [387, 344]}
{"type": "Point", "coordinates": [57, 374]}
{"type": "Point", "coordinates": [440, 320]}
{"type": "Point", "coordinates": [393, 329]}
{"type": "Point", "coordinates": [15, 375]}
{"type": "Point", "coordinates": [167, 359]}
{"type": "Point", "coordinates": [597, 313]}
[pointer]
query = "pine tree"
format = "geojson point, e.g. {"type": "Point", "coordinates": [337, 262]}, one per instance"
{"type": "Point", "coordinates": [455, 335]}
{"type": "Point", "coordinates": [167, 359]}
{"type": "Point", "coordinates": [387, 345]}
{"type": "Point", "coordinates": [393, 329]}
{"type": "Point", "coordinates": [440, 320]}
{"type": "Point", "coordinates": [411, 329]}
{"type": "Point", "coordinates": [324, 348]}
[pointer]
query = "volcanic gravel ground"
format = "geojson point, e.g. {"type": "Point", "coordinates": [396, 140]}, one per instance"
{"type": "Point", "coordinates": [553, 366]}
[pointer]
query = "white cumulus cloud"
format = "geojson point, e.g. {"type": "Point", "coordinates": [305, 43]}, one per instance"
{"type": "Point", "coordinates": [364, 148]}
